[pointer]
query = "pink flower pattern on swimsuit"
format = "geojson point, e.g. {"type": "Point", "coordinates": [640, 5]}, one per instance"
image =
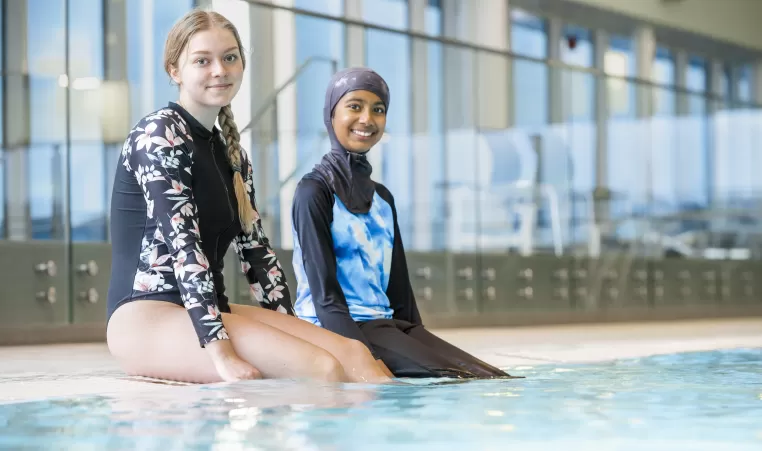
{"type": "Point", "coordinates": [158, 154]}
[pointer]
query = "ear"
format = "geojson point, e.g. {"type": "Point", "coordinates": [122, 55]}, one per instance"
{"type": "Point", "coordinates": [174, 73]}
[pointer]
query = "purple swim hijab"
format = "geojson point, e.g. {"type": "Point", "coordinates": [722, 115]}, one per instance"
{"type": "Point", "coordinates": [348, 173]}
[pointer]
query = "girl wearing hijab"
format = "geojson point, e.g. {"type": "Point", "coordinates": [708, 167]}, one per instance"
{"type": "Point", "coordinates": [348, 255]}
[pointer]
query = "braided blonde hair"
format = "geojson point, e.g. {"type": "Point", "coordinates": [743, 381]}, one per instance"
{"type": "Point", "coordinates": [191, 23]}
{"type": "Point", "coordinates": [235, 156]}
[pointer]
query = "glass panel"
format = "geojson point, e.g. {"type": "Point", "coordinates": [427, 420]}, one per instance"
{"type": "Point", "coordinates": [311, 84]}
{"type": "Point", "coordinates": [461, 228]}
{"type": "Point", "coordinates": [693, 177]}
{"type": "Point", "coordinates": [387, 13]}
{"type": "Point", "coordinates": [46, 154]}
{"type": "Point", "coordinates": [528, 34]}
{"type": "Point", "coordinates": [692, 158]}
{"type": "Point", "coordinates": [744, 83]}
{"type": "Point", "coordinates": [663, 162]}
{"type": "Point", "coordinates": [389, 55]}
{"type": "Point", "coordinates": [579, 131]}
{"type": "Point", "coordinates": [46, 175]}
{"type": "Point", "coordinates": [148, 24]}
{"type": "Point", "coordinates": [530, 89]}
{"type": "Point", "coordinates": [87, 178]}
{"type": "Point", "coordinates": [577, 46]}
{"type": "Point", "coordinates": [332, 7]}
{"type": "Point", "coordinates": [436, 213]}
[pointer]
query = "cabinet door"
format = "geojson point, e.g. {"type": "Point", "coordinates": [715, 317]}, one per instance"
{"type": "Point", "coordinates": [90, 276]}
{"type": "Point", "coordinates": [34, 283]}
{"type": "Point", "coordinates": [432, 282]}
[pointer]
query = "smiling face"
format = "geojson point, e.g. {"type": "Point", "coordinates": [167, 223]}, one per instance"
{"type": "Point", "coordinates": [359, 120]}
{"type": "Point", "coordinates": [209, 70]}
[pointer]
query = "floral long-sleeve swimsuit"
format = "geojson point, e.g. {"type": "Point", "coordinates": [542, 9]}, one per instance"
{"type": "Point", "coordinates": [174, 214]}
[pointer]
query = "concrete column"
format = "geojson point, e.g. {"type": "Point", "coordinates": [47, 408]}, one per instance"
{"type": "Point", "coordinates": [558, 104]}
{"type": "Point", "coordinates": [489, 28]}
{"type": "Point", "coordinates": [645, 52]}
{"type": "Point", "coordinates": [681, 71]}
{"type": "Point", "coordinates": [476, 79]}
{"type": "Point", "coordinates": [685, 143]}
{"type": "Point", "coordinates": [458, 68]}
{"type": "Point", "coordinates": [355, 36]}
{"type": "Point", "coordinates": [756, 120]}
{"type": "Point", "coordinates": [16, 126]}
{"type": "Point", "coordinates": [756, 85]}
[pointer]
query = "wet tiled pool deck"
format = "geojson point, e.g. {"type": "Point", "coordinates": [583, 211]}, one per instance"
{"type": "Point", "coordinates": [37, 372]}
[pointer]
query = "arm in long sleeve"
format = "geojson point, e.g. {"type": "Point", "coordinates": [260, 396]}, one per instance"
{"type": "Point", "coordinates": [161, 162]}
{"type": "Point", "coordinates": [399, 291]}
{"type": "Point", "coordinates": [312, 214]}
{"type": "Point", "coordinates": [258, 261]}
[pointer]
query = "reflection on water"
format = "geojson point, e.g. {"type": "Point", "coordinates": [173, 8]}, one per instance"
{"type": "Point", "coordinates": [691, 401]}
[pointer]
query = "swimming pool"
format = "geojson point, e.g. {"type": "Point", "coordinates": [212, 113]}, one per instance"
{"type": "Point", "coordinates": [697, 401]}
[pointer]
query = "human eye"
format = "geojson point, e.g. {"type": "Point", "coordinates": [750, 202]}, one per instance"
{"type": "Point", "coordinates": [380, 110]}
{"type": "Point", "coordinates": [231, 57]}
{"type": "Point", "coordinates": [201, 61]}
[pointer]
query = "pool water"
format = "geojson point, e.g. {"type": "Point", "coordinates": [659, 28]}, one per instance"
{"type": "Point", "coordinates": [693, 401]}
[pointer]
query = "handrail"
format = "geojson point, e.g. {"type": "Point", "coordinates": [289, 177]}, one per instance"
{"type": "Point", "coordinates": [272, 97]}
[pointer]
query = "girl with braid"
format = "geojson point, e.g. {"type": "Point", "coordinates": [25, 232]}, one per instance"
{"type": "Point", "coordinates": [183, 193]}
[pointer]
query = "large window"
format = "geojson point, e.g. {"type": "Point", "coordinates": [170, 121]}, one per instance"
{"type": "Point", "coordinates": [148, 23]}
{"type": "Point", "coordinates": [743, 83]}
{"type": "Point", "coordinates": [389, 55]}
{"type": "Point", "coordinates": [87, 153]}
{"type": "Point", "coordinates": [735, 174]}
{"type": "Point", "coordinates": [436, 210]}
{"type": "Point", "coordinates": [387, 13]}
{"type": "Point", "coordinates": [692, 179]}
{"type": "Point", "coordinates": [663, 162]}
{"type": "Point", "coordinates": [628, 145]}
{"type": "Point", "coordinates": [578, 105]}
{"type": "Point", "coordinates": [332, 7]}
{"type": "Point", "coordinates": [311, 84]}
{"type": "Point", "coordinates": [46, 50]}
{"type": "Point", "coordinates": [663, 74]}
{"type": "Point", "coordinates": [530, 90]}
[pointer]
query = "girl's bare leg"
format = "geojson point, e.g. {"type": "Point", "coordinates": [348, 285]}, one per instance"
{"type": "Point", "coordinates": [358, 363]}
{"type": "Point", "coordinates": [157, 339]}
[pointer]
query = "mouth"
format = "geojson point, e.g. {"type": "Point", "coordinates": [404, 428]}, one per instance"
{"type": "Point", "coordinates": [362, 134]}
{"type": "Point", "coordinates": [221, 86]}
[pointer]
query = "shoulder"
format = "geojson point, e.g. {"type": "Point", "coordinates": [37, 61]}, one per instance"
{"type": "Point", "coordinates": [384, 193]}
{"type": "Point", "coordinates": [313, 188]}
{"type": "Point", "coordinates": [161, 120]}
{"type": "Point", "coordinates": [160, 130]}
{"type": "Point", "coordinates": [312, 192]}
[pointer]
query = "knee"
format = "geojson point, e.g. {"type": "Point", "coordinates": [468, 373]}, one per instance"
{"type": "Point", "coordinates": [328, 369]}
{"type": "Point", "coordinates": [356, 350]}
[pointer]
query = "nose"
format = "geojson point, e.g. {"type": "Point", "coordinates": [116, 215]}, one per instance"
{"type": "Point", "coordinates": [218, 69]}
{"type": "Point", "coordinates": [365, 117]}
